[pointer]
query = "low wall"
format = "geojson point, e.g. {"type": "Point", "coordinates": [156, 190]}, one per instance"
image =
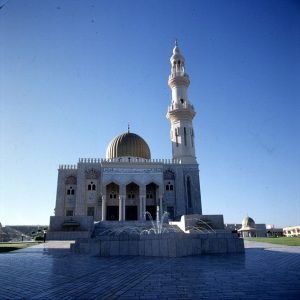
{"type": "Point", "coordinates": [67, 235]}
{"type": "Point", "coordinates": [85, 223]}
{"type": "Point", "coordinates": [210, 222]}
{"type": "Point", "coordinates": [164, 245]}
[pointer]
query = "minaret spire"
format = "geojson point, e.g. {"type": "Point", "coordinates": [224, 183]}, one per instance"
{"type": "Point", "coordinates": [128, 127]}
{"type": "Point", "coordinates": [181, 112]}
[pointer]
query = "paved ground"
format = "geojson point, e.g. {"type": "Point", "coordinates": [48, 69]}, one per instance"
{"type": "Point", "coordinates": [49, 271]}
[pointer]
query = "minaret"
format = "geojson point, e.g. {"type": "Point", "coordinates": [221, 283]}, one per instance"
{"type": "Point", "coordinates": [181, 112]}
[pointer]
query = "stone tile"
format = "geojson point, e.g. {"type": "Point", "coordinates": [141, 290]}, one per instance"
{"type": "Point", "coordinates": [50, 271]}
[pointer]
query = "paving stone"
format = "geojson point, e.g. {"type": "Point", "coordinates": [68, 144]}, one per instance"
{"type": "Point", "coordinates": [50, 271]}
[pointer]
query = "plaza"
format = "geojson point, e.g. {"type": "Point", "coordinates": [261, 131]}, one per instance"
{"type": "Point", "coordinates": [51, 271]}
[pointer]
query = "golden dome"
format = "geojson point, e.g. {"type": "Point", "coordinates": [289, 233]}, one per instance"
{"type": "Point", "coordinates": [128, 144]}
{"type": "Point", "coordinates": [248, 222]}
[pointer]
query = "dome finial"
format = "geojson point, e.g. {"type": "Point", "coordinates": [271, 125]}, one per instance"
{"type": "Point", "coordinates": [128, 127]}
{"type": "Point", "coordinates": [176, 48]}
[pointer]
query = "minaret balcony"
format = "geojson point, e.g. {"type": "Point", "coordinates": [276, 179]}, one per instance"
{"type": "Point", "coordinates": [178, 74]}
{"type": "Point", "coordinates": [180, 112]}
{"type": "Point", "coordinates": [180, 106]}
{"type": "Point", "coordinates": [177, 80]}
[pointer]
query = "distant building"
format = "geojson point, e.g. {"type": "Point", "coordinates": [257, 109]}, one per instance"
{"type": "Point", "coordinates": [249, 228]}
{"type": "Point", "coordinates": [272, 231]}
{"type": "Point", "coordinates": [291, 231]}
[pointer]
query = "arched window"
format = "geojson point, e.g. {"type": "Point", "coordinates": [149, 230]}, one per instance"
{"type": "Point", "coordinates": [130, 195]}
{"type": "Point", "coordinates": [184, 132]}
{"type": "Point", "coordinates": [70, 191]}
{"type": "Point", "coordinates": [189, 191]}
{"type": "Point", "coordinates": [176, 136]}
{"type": "Point", "coordinates": [91, 186]}
{"type": "Point", "coordinates": [149, 195]}
{"type": "Point", "coordinates": [113, 195]}
{"type": "Point", "coordinates": [169, 186]}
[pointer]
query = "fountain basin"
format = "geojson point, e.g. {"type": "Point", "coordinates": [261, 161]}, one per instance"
{"type": "Point", "coordinates": [171, 244]}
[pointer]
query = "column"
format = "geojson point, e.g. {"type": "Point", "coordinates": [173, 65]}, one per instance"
{"type": "Point", "coordinates": [120, 208]}
{"type": "Point", "coordinates": [104, 208]}
{"type": "Point", "coordinates": [142, 202]}
{"type": "Point", "coordinates": [142, 208]}
{"type": "Point", "coordinates": [124, 208]}
{"type": "Point", "coordinates": [160, 207]}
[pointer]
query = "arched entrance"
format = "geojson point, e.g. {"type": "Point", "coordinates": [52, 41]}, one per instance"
{"type": "Point", "coordinates": [151, 200]}
{"type": "Point", "coordinates": [132, 201]}
{"type": "Point", "coordinates": [112, 202]}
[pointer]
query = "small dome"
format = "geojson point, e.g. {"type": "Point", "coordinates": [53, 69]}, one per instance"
{"type": "Point", "coordinates": [176, 54]}
{"type": "Point", "coordinates": [176, 50]}
{"type": "Point", "coordinates": [248, 222]}
{"type": "Point", "coordinates": [128, 144]}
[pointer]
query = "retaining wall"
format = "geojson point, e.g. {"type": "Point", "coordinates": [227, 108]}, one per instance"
{"type": "Point", "coordinates": [165, 245]}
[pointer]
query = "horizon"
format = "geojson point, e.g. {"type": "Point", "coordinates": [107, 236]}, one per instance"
{"type": "Point", "coordinates": [73, 75]}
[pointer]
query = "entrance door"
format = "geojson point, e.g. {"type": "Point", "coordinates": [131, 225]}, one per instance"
{"type": "Point", "coordinates": [131, 212]}
{"type": "Point", "coordinates": [112, 213]}
{"type": "Point", "coordinates": [152, 210]}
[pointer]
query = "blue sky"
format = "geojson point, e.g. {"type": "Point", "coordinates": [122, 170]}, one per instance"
{"type": "Point", "coordinates": [74, 73]}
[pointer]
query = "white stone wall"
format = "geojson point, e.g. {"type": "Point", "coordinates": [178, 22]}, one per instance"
{"type": "Point", "coordinates": [123, 173]}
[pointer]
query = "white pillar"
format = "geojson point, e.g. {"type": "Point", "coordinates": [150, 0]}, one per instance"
{"type": "Point", "coordinates": [160, 207]}
{"type": "Point", "coordinates": [124, 208]}
{"type": "Point", "coordinates": [120, 209]}
{"type": "Point", "coordinates": [104, 208]}
{"type": "Point", "coordinates": [142, 208]}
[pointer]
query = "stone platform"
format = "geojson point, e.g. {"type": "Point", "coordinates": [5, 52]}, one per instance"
{"type": "Point", "coordinates": [50, 271]}
{"type": "Point", "coordinates": [172, 244]}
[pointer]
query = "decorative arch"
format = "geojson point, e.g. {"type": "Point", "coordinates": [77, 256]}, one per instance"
{"type": "Point", "coordinates": [91, 174]}
{"type": "Point", "coordinates": [169, 175]}
{"type": "Point", "coordinates": [71, 180]}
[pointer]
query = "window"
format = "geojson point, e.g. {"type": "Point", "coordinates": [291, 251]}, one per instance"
{"type": "Point", "coordinates": [149, 195]}
{"type": "Point", "coordinates": [69, 213]}
{"type": "Point", "coordinates": [176, 136]}
{"type": "Point", "coordinates": [130, 195]}
{"type": "Point", "coordinates": [112, 195]}
{"type": "Point", "coordinates": [70, 191]}
{"type": "Point", "coordinates": [184, 132]}
{"type": "Point", "coordinates": [169, 186]}
{"type": "Point", "coordinates": [181, 101]}
{"type": "Point", "coordinates": [91, 186]}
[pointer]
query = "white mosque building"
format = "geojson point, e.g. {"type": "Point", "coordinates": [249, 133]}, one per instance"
{"type": "Point", "coordinates": [128, 182]}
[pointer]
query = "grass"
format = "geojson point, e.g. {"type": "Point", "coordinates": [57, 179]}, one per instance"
{"type": "Point", "coordinates": [288, 241]}
{"type": "Point", "coordinates": [7, 247]}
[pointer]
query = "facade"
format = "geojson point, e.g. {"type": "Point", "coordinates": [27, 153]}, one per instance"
{"type": "Point", "coordinates": [249, 228]}
{"type": "Point", "coordinates": [291, 231]}
{"type": "Point", "coordinates": [127, 183]}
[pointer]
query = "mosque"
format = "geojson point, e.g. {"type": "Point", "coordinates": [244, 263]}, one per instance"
{"type": "Point", "coordinates": [127, 183]}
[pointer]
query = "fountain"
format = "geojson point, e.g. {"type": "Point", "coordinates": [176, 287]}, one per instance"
{"type": "Point", "coordinates": [193, 235]}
